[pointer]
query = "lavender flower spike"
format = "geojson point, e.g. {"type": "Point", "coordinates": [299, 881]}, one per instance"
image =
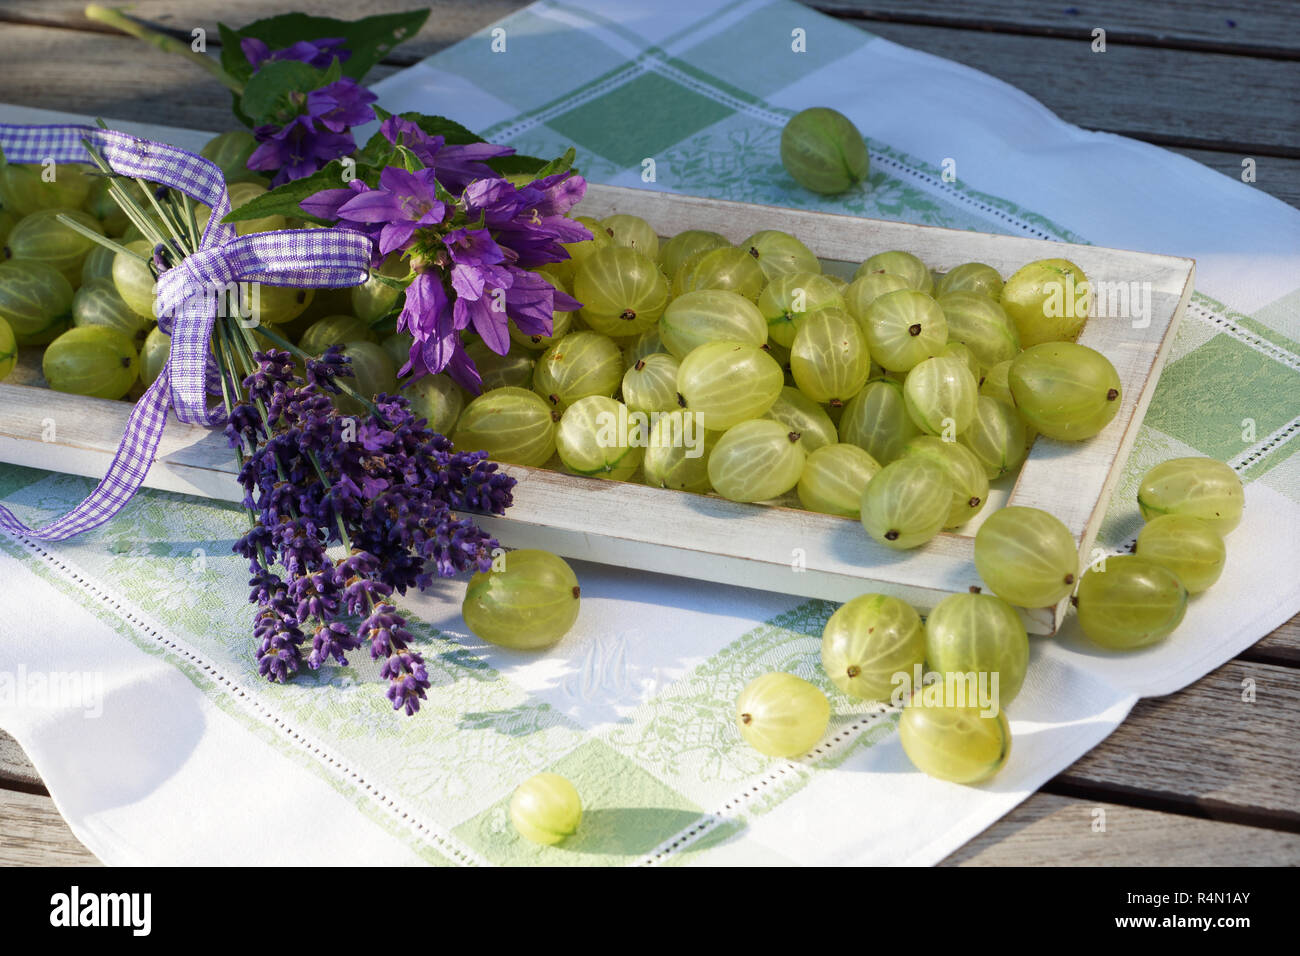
{"type": "Point", "coordinates": [383, 486]}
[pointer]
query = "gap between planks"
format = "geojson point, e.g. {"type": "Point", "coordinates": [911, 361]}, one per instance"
{"type": "Point", "coordinates": [1263, 29]}
{"type": "Point", "coordinates": [1168, 97]}
{"type": "Point", "coordinates": [1282, 647]}
{"type": "Point", "coordinates": [1205, 751]}
{"type": "Point", "coordinates": [1054, 830]}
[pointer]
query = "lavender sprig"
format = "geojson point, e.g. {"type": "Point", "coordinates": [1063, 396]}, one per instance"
{"type": "Point", "coordinates": [383, 486]}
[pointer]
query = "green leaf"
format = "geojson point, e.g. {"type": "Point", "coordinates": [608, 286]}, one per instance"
{"type": "Point", "coordinates": [334, 73]}
{"type": "Point", "coordinates": [233, 60]}
{"type": "Point", "coordinates": [515, 165]}
{"type": "Point", "coordinates": [518, 165]}
{"type": "Point", "coordinates": [409, 160]}
{"type": "Point", "coordinates": [239, 113]}
{"type": "Point", "coordinates": [452, 132]}
{"type": "Point", "coordinates": [389, 281]}
{"type": "Point", "coordinates": [441, 194]}
{"type": "Point", "coordinates": [386, 325]}
{"type": "Point", "coordinates": [369, 39]}
{"type": "Point", "coordinates": [376, 154]}
{"type": "Point", "coordinates": [284, 200]}
{"type": "Point", "coordinates": [271, 89]}
{"type": "Point", "coordinates": [560, 164]}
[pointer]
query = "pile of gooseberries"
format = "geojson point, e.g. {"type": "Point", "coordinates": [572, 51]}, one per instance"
{"type": "Point", "coordinates": [874, 646]}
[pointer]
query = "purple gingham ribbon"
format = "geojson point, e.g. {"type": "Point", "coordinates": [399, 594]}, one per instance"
{"type": "Point", "coordinates": [308, 258]}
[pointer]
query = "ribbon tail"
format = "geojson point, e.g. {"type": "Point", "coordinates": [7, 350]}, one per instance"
{"type": "Point", "coordinates": [135, 454]}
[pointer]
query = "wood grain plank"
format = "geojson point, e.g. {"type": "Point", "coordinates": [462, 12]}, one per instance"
{"type": "Point", "coordinates": [16, 771]}
{"type": "Point", "coordinates": [1169, 97]}
{"type": "Point", "coordinates": [1206, 751]}
{"type": "Point", "coordinates": [33, 834]}
{"type": "Point", "coordinates": [1046, 830]}
{"type": "Point", "coordinates": [1281, 647]}
{"type": "Point", "coordinates": [1266, 27]}
{"type": "Point", "coordinates": [1189, 99]}
{"type": "Point", "coordinates": [449, 20]}
{"type": "Point", "coordinates": [111, 76]}
{"type": "Point", "coordinates": [1202, 751]}
{"type": "Point", "coordinates": [1154, 719]}
{"type": "Point", "coordinates": [1050, 830]}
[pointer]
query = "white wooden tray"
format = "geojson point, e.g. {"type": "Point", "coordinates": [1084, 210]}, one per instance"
{"type": "Point", "coordinates": [772, 548]}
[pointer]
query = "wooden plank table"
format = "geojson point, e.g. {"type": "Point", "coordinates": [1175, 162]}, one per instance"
{"type": "Point", "coordinates": [1198, 777]}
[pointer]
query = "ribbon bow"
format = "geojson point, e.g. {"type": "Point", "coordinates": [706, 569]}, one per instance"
{"type": "Point", "coordinates": [308, 258]}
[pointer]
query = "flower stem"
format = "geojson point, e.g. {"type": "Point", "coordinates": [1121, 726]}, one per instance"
{"type": "Point", "coordinates": [244, 344]}
{"type": "Point", "coordinates": [102, 240]}
{"type": "Point", "coordinates": [169, 220]}
{"type": "Point", "coordinates": [347, 389]}
{"type": "Point", "coordinates": [125, 201]}
{"type": "Point", "coordinates": [191, 222]}
{"type": "Point", "coordinates": [228, 384]}
{"type": "Point", "coordinates": [228, 343]}
{"type": "Point", "coordinates": [338, 518]}
{"type": "Point", "coordinates": [118, 20]}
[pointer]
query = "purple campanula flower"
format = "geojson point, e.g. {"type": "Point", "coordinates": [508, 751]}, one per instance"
{"type": "Point", "coordinates": [454, 360]}
{"type": "Point", "coordinates": [320, 132]}
{"type": "Point", "coordinates": [326, 204]}
{"type": "Point", "coordinates": [341, 104]}
{"type": "Point", "coordinates": [428, 315]}
{"type": "Point", "coordinates": [297, 149]}
{"type": "Point", "coordinates": [403, 203]}
{"type": "Point", "coordinates": [316, 53]}
{"type": "Point", "coordinates": [530, 220]}
{"type": "Point", "coordinates": [480, 281]}
{"type": "Point", "coordinates": [471, 257]}
{"type": "Point", "coordinates": [456, 166]}
{"type": "Point", "coordinates": [531, 302]}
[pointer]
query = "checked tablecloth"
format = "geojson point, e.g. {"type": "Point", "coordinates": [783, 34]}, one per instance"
{"type": "Point", "coordinates": [188, 757]}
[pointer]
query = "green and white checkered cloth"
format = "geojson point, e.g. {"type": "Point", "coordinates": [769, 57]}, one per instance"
{"type": "Point", "coordinates": [190, 757]}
